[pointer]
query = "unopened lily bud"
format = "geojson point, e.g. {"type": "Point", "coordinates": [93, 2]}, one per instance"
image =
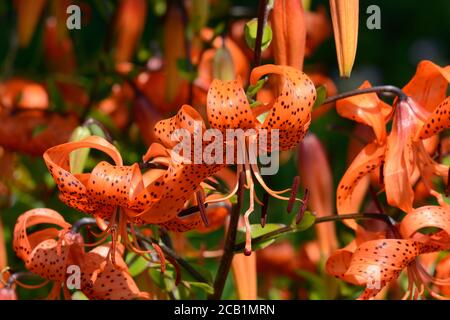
{"type": "Point", "coordinates": [315, 174]}
{"type": "Point", "coordinates": [223, 67]}
{"type": "Point", "coordinates": [289, 32]}
{"type": "Point", "coordinates": [129, 26]}
{"type": "Point", "coordinates": [28, 14]}
{"type": "Point", "coordinates": [344, 14]}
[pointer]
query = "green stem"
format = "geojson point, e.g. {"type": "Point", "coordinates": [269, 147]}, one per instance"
{"type": "Point", "coordinates": [387, 90]}
{"type": "Point", "coordinates": [284, 230]}
{"type": "Point", "coordinates": [228, 250]}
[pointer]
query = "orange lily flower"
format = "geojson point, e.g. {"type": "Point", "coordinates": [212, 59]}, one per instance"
{"type": "Point", "coordinates": [290, 113]}
{"type": "Point", "coordinates": [376, 263]}
{"type": "Point", "coordinates": [50, 251]}
{"type": "Point", "coordinates": [401, 153]}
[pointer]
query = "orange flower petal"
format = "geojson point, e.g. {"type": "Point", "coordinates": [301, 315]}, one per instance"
{"type": "Point", "coordinates": [429, 85]}
{"type": "Point", "coordinates": [102, 281]}
{"type": "Point", "coordinates": [228, 107]}
{"type": "Point", "coordinates": [375, 263]}
{"type": "Point", "coordinates": [291, 110]}
{"type": "Point", "coordinates": [425, 217]}
{"type": "Point", "coordinates": [399, 160]}
{"type": "Point", "coordinates": [365, 162]}
{"type": "Point", "coordinates": [367, 109]}
{"type": "Point", "coordinates": [42, 251]}
{"type": "Point", "coordinates": [438, 121]}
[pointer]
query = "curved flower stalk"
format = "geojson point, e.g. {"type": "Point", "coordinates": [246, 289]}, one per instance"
{"type": "Point", "coordinates": [375, 263]}
{"type": "Point", "coordinates": [289, 113]}
{"type": "Point", "coordinates": [400, 154]}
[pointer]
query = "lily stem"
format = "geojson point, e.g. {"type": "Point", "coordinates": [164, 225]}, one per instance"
{"type": "Point", "coordinates": [263, 13]}
{"type": "Point", "coordinates": [230, 241]}
{"type": "Point", "coordinates": [283, 230]}
{"type": "Point", "coordinates": [386, 90]}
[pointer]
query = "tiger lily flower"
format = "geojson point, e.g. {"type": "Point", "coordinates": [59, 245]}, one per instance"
{"type": "Point", "coordinates": [401, 154]}
{"type": "Point", "coordinates": [290, 113]}
{"type": "Point", "coordinates": [375, 263]}
{"type": "Point", "coordinates": [120, 194]}
{"type": "Point", "coordinates": [50, 251]}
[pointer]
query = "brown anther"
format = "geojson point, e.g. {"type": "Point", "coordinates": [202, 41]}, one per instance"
{"type": "Point", "coordinates": [302, 209]}
{"type": "Point", "coordinates": [293, 196]}
{"type": "Point", "coordinates": [201, 207]}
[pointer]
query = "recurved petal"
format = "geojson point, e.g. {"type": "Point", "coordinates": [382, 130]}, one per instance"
{"type": "Point", "coordinates": [291, 110]}
{"type": "Point", "coordinates": [367, 109]}
{"type": "Point", "coordinates": [101, 280]}
{"type": "Point", "coordinates": [438, 121]}
{"type": "Point", "coordinates": [73, 186]}
{"type": "Point", "coordinates": [365, 162]}
{"type": "Point", "coordinates": [375, 263]}
{"type": "Point", "coordinates": [187, 119]}
{"type": "Point", "coordinates": [21, 240]}
{"type": "Point", "coordinates": [227, 106]}
{"type": "Point", "coordinates": [425, 217]}
{"type": "Point", "coordinates": [428, 87]}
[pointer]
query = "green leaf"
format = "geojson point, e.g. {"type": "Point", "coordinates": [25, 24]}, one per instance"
{"type": "Point", "coordinates": [257, 231]}
{"type": "Point", "coordinates": [321, 96]}
{"type": "Point", "coordinates": [138, 265]}
{"type": "Point", "coordinates": [250, 31]}
{"type": "Point", "coordinates": [307, 222]}
{"type": "Point", "coordinates": [200, 285]}
{"type": "Point", "coordinates": [78, 157]}
{"type": "Point", "coordinates": [252, 90]}
{"type": "Point", "coordinates": [39, 129]}
{"type": "Point", "coordinates": [186, 69]}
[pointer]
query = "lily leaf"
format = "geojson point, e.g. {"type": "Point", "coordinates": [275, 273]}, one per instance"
{"type": "Point", "coordinates": [321, 96]}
